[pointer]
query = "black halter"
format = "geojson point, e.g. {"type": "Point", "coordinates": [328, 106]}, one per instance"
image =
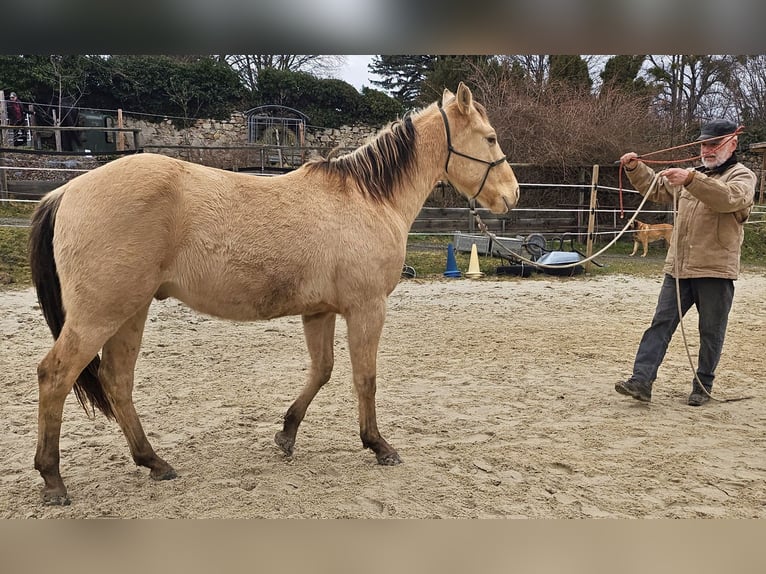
{"type": "Point", "coordinates": [451, 150]}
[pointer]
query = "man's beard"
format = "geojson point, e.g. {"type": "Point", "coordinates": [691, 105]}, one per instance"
{"type": "Point", "coordinates": [713, 162]}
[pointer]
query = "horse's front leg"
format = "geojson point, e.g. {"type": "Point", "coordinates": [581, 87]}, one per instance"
{"type": "Point", "coordinates": [365, 326]}
{"type": "Point", "coordinates": [319, 331]}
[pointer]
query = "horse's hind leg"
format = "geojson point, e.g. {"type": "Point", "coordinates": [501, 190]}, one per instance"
{"type": "Point", "coordinates": [319, 331]}
{"type": "Point", "coordinates": [116, 373]}
{"type": "Point", "coordinates": [364, 330]}
{"type": "Point", "coordinates": [56, 375]}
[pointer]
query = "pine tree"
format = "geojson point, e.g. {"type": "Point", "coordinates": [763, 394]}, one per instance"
{"type": "Point", "coordinates": [402, 75]}
{"type": "Point", "coordinates": [622, 72]}
{"type": "Point", "coordinates": [572, 70]}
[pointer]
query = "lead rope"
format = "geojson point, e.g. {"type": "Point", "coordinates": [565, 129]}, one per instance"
{"type": "Point", "coordinates": [724, 140]}
{"type": "Point", "coordinates": [483, 227]}
{"type": "Point", "coordinates": [681, 323]}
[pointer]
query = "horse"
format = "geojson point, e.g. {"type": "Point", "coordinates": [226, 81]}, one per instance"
{"type": "Point", "coordinates": [326, 239]}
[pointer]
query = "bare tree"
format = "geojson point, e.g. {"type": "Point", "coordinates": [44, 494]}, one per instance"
{"type": "Point", "coordinates": [68, 85]}
{"type": "Point", "coordinates": [532, 67]}
{"type": "Point", "coordinates": [250, 66]}
{"type": "Point", "coordinates": [558, 124]}
{"type": "Point", "coordinates": [746, 85]}
{"type": "Point", "coordinates": [690, 89]}
{"type": "Point", "coordinates": [536, 67]}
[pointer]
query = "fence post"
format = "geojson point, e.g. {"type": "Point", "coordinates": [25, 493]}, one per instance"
{"type": "Point", "coordinates": [56, 131]}
{"type": "Point", "coordinates": [592, 215]}
{"type": "Point", "coordinates": [763, 175]}
{"type": "Point", "coordinates": [3, 184]}
{"type": "Point", "coordinates": [120, 136]}
{"type": "Point", "coordinates": [3, 179]}
{"type": "Point", "coordinates": [4, 121]}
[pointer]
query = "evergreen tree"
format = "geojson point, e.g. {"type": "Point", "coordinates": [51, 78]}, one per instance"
{"type": "Point", "coordinates": [43, 79]}
{"type": "Point", "coordinates": [201, 87]}
{"type": "Point", "coordinates": [448, 72]}
{"type": "Point", "coordinates": [329, 102]}
{"type": "Point", "coordinates": [378, 108]}
{"type": "Point", "coordinates": [402, 75]}
{"type": "Point", "coordinates": [571, 70]}
{"type": "Point", "coordinates": [622, 72]}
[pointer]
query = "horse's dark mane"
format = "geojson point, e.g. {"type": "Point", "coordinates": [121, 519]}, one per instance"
{"type": "Point", "coordinates": [380, 166]}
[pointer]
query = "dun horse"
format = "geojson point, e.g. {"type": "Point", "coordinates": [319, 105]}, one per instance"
{"type": "Point", "coordinates": [324, 240]}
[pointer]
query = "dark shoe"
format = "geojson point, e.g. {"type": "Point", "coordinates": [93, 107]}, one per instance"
{"type": "Point", "coordinates": [697, 398]}
{"type": "Point", "coordinates": [636, 389]}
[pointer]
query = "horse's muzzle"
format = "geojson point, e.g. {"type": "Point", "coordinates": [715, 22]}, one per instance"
{"type": "Point", "coordinates": [508, 205]}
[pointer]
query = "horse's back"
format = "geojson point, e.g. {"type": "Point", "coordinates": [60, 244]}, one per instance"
{"type": "Point", "coordinates": [115, 231]}
{"type": "Point", "coordinates": [132, 193]}
{"type": "Point", "coordinates": [231, 245]}
{"type": "Point", "coordinates": [150, 226]}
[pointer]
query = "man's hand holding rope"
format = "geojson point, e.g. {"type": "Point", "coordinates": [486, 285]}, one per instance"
{"type": "Point", "coordinates": [629, 160]}
{"type": "Point", "coordinates": [674, 175]}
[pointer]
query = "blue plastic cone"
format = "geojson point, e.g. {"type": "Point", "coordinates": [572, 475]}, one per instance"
{"type": "Point", "coordinates": [452, 270]}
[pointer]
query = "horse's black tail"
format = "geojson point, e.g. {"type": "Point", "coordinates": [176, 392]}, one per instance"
{"type": "Point", "coordinates": [45, 277]}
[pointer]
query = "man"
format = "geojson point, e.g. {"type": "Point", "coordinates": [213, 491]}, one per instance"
{"type": "Point", "coordinates": [16, 118]}
{"type": "Point", "coordinates": [714, 200]}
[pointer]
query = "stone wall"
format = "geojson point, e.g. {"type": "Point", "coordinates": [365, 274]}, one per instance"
{"type": "Point", "coordinates": [345, 137]}
{"type": "Point", "coordinates": [233, 132]}
{"type": "Point", "coordinates": [203, 133]}
{"type": "Point", "coordinates": [205, 142]}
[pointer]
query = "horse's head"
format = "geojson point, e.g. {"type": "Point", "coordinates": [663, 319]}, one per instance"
{"type": "Point", "coordinates": [476, 166]}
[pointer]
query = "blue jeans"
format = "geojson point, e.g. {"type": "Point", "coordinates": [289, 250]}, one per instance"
{"type": "Point", "coordinates": [712, 297]}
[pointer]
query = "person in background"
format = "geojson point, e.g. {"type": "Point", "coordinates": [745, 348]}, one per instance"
{"type": "Point", "coordinates": [16, 118]}
{"type": "Point", "coordinates": [714, 201]}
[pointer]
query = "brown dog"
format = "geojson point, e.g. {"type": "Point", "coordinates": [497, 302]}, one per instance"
{"type": "Point", "coordinates": [648, 232]}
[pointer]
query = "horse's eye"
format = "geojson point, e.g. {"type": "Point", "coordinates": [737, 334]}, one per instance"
{"type": "Point", "coordinates": [492, 140]}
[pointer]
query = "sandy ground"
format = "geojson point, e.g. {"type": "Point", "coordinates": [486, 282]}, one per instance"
{"type": "Point", "coordinates": [498, 394]}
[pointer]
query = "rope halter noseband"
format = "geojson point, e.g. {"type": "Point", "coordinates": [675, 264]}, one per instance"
{"type": "Point", "coordinates": [451, 150]}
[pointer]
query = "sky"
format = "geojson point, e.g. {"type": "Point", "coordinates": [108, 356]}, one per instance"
{"type": "Point", "coordinates": [355, 72]}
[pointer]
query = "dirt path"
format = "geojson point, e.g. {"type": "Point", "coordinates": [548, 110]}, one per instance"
{"type": "Point", "coordinates": [497, 394]}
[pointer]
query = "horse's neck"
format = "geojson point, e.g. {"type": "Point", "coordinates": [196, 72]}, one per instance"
{"type": "Point", "coordinates": [431, 157]}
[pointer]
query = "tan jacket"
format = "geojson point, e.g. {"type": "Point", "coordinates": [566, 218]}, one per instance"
{"type": "Point", "coordinates": [708, 231]}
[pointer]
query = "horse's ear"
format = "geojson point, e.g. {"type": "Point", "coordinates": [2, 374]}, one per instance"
{"type": "Point", "coordinates": [464, 98]}
{"type": "Point", "coordinates": [447, 96]}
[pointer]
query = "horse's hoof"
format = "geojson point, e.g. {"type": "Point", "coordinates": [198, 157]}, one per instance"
{"type": "Point", "coordinates": [168, 473]}
{"type": "Point", "coordinates": [56, 499]}
{"type": "Point", "coordinates": [284, 442]}
{"type": "Point", "coordinates": [390, 459]}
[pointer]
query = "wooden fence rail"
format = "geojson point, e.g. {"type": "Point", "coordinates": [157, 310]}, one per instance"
{"type": "Point", "coordinates": [450, 219]}
{"type": "Point", "coordinates": [57, 130]}
{"type": "Point", "coordinates": [578, 219]}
